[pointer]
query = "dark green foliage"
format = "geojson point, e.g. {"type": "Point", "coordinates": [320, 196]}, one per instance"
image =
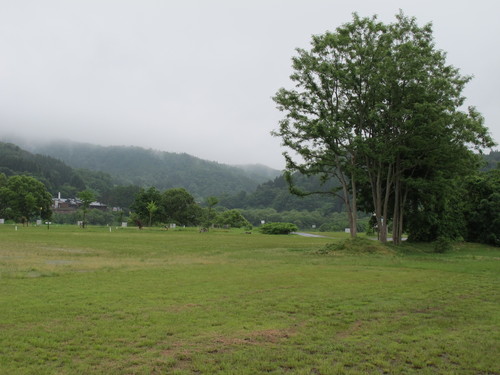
{"type": "Point", "coordinates": [232, 218]}
{"type": "Point", "coordinates": [164, 170]}
{"type": "Point", "coordinates": [355, 246]}
{"type": "Point", "coordinates": [276, 194]}
{"type": "Point", "coordinates": [442, 245]}
{"type": "Point", "coordinates": [482, 207]}
{"type": "Point", "coordinates": [278, 228]}
{"type": "Point", "coordinates": [377, 106]}
{"type": "Point", "coordinates": [140, 205]}
{"type": "Point", "coordinates": [121, 196]}
{"type": "Point", "coordinates": [93, 217]}
{"type": "Point", "coordinates": [86, 197]}
{"type": "Point", "coordinates": [99, 182]}
{"type": "Point", "coordinates": [435, 210]}
{"type": "Point", "coordinates": [337, 222]}
{"type": "Point", "coordinates": [492, 160]}
{"type": "Point", "coordinates": [53, 173]}
{"type": "Point", "coordinates": [172, 206]}
{"type": "Point", "coordinates": [180, 207]}
{"type": "Point", "coordinates": [23, 198]}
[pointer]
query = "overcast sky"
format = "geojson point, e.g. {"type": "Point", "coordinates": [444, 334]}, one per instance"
{"type": "Point", "coordinates": [198, 76]}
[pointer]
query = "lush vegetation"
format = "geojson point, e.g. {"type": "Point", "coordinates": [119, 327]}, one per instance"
{"type": "Point", "coordinates": [53, 173]}
{"type": "Point", "coordinates": [163, 170]}
{"type": "Point", "coordinates": [24, 198]}
{"type": "Point", "coordinates": [183, 302]}
{"type": "Point", "coordinates": [377, 108]}
{"type": "Point", "coordinates": [469, 211]}
{"type": "Point", "coordinates": [278, 228]}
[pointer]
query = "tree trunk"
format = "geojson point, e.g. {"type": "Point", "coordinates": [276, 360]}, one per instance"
{"type": "Point", "coordinates": [350, 202]}
{"type": "Point", "coordinates": [396, 218]}
{"type": "Point", "coordinates": [385, 212]}
{"type": "Point", "coordinates": [354, 209]}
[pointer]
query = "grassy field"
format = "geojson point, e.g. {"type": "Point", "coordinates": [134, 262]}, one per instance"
{"type": "Point", "coordinates": [125, 301]}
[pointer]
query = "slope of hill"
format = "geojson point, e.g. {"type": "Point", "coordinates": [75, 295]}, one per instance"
{"type": "Point", "coordinates": [55, 174]}
{"type": "Point", "coordinates": [143, 167]}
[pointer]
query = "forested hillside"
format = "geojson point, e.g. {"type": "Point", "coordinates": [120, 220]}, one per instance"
{"type": "Point", "coordinates": [55, 174]}
{"type": "Point", "coordinates": [492, 160]}
{"type": "Point", "coordinates": [276, 194]}
{"type": "Point", "coordinates": [164, 170]}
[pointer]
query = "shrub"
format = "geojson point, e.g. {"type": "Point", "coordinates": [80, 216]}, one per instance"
{"type": "Point", "coordinates": [278, 228]}
{"type": "Point", "coordinates": [326, 227]}
{"type": "Point", "coordinates": [442, 245]}
{"type": "Point", "coordinates": [355, 246]}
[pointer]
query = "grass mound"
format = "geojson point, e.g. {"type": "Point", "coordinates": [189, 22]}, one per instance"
{"type": "Point", "coordinates": [356, 246]}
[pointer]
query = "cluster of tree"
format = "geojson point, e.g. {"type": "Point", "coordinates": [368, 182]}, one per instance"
{"type": "Point", "coordinates": [92, 217]}
{"type": "Point", "coordinates": [332, 222]}
{"type": "Point", "coordinates": [178, 206]}
{"type": "Point", "coordinates": [276, 194]}
{"type": "Point", "coordinates": [24, 198]}
{"type": "Point", "coordinates": [58, 177]}
{"type": "Point", "coordinates": [481, 207]}
{"type": "Point", "coordinates": [376, 108]}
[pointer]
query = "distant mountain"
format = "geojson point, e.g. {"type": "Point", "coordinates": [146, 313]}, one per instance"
{"type": "Point", "coordinates": [164, 170]}
{"type": "Point", "coordinates": [55, 174]}
{"type": "Point", "coordinates": [260, 172]}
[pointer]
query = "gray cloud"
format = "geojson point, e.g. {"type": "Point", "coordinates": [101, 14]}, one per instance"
{"type": "Point", "coordinates": [196, 76]}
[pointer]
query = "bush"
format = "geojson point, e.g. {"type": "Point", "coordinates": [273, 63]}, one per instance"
{"type": "Point", "coordinates": [355, 246]}
{"type": "Point", "coordinates": [232, 218]}
{"type": "Point", "coordinates": [442, 245]}
{"type": "Point", "coordinates": [326, 227]}
{"type": "Point", "coordinates": [278, 228]}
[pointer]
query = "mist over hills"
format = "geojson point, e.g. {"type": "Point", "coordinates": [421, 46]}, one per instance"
{"type": "Point", "coordinates": [130, 165]}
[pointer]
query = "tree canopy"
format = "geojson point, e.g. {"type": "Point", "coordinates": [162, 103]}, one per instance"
{"type": "Point", "coordinates": [377, 107]}
{"type": "Point", "coordinates": [23, 198]}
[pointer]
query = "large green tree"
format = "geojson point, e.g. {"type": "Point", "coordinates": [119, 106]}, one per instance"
{"type": "Point", "coordinates": [180, 207]}
{"type": "Point", "coordinates": [140, 206]}
{"type": "Point", "coordinates": [376, 107]}
{"type": "Point", "coordinates": [482, 207]}
{"type": "Point", "coordinates": [24, 197]}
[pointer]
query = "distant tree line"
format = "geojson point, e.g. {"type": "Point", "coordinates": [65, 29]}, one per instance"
{"type": "Point", "coordinates": [470, 209]}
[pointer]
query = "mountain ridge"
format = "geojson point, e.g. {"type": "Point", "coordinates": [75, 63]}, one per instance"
{"type": "Point", "coordinates": [134, 165]}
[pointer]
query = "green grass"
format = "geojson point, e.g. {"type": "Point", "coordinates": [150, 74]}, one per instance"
{"type": "Point", "coordinates": [76, 301]}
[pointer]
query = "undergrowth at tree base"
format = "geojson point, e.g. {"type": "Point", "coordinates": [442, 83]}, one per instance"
{"type": "Point", "coordinates": [355, 246]}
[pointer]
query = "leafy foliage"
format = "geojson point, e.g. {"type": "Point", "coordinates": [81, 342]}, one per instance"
{"type": "Point", "coordinates": [24, 197]}
{"type": "Point", "coordinates": [172, 206]}
{"type": "Point", "coordinates": [232, 218]}
{"type": "Point", "coordinates": [140, 206]}
{"type": "Point", "coordinates": [376, 107]}
{"type": "Point", "coordinates": [482, 207]}
{"type": "Point", "coordinates": [492, 160]}
{"type": "Point", "coordinates": [180, 207]}
{"type": "Point", "coordinates": [53, 173]}
{"type": "Point", "coordinates": [276, 194]}
{"type": "Point", "coordinates": [278, 228]}
{"type": "Point", "coordinates": [355, 246]}
{"type": "Point", "coordinates": [86, 197]}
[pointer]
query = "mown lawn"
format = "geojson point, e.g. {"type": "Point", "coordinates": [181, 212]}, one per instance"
{"type": "Point", "coordinates": [92, 301]}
